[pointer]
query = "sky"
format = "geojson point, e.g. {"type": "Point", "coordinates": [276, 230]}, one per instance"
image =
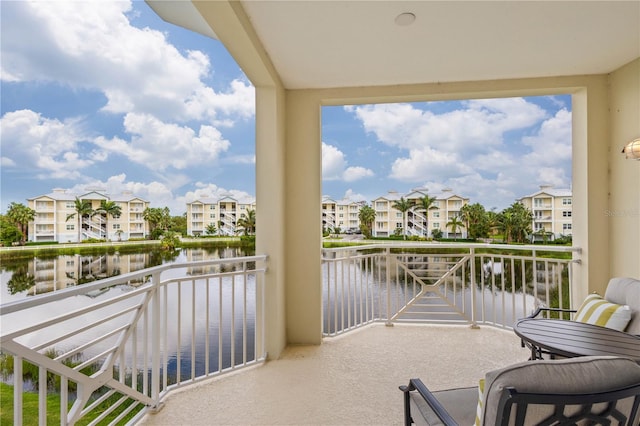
{"type": "Point", "coordinates": [105, 95]}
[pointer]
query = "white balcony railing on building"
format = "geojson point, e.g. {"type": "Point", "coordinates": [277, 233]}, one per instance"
{"type": "Point", "coordinates": [134, 338]}
{"type": "Point", "coordinates": [453, 283]}
{"type": "Point", "coordinates": [166, 327]}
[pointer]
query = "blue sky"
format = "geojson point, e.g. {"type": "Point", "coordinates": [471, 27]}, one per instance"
{"type": "Point", "coordinates": [107, 95]}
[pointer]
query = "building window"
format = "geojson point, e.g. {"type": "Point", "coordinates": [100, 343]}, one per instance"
{"type": "Point", "coordinates": [243, 207]}
{"type": "Point", "coordinates": [566, 213]}
{"type": "Point", "coordinates": [70, 227]}
{"type": "Point", "coordinates": [381, 205]}
{"type": "Point", "coordinates": [341, 215]}
{"type": "Point", "coordinates": [539, 226]}
{"type": "Point", "coordinates": [116, 226]}
{"type": "Point", "coordinates": [436, 225]}
{"type": "Point", "coordinates": [70, 205]}
{"type": "Point", "coordinates": [436, 214]}
{"type": "Point", "coordinates": [398, 225]}
{"type": "Point", "coordinates": [212, 216]}
{"type": "Point", "coordinates": [566, 227]}
{"type": "Point", "coordinates": [212, 207]}
{"type": "Point", "coordinates": [341, 208]}
{"type": "Point", "coordinates": [566, 201]}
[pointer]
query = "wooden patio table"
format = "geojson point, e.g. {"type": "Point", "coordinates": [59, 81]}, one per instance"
{"type": "Point", "coordinates": [572, 338]}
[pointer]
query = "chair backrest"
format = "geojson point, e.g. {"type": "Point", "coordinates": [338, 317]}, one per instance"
{"type": "Point", "coordinates": [532, 392]}
{"type": "Point", "coordinates": [626, 291]}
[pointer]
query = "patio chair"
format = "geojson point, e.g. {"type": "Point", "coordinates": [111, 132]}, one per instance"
{"type": "Point", "coordinates": [574, 391]}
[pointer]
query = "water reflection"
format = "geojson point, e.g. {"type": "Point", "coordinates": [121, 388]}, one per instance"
{"type": "Point", "coordinates": [28, 277]}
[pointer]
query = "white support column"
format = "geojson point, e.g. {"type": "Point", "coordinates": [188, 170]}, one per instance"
{"type": "Point", "coordinates": [303, 233]}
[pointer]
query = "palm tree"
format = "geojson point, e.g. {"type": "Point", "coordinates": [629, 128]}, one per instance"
{"type": "Point", "coordinates": [248, 222]}
{"type": "Point", "coordinates": [403, 206]}
{"type": "Point", "coordinates": [454, 224]}
{"type": "Point", "coordinates": [367, 216]}
{"type": "Point", "coordinates": [425, 204]}
{"type": "Point", "coordinates": [82, 208]}
{"type": "Point", "coordinates": [106, 209]}
{"type": "Point", "coordinates": [21, 215]}
{"type": "Point", "coordinates": [211, 229]}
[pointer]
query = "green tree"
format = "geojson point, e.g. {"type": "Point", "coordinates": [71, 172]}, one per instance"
{"type": "Point", "coordinates": [20, 215]}
{"type": "Point", "coordinates": [82, 209]}
{"type": "Point", "coordinates": [425, 204]}
{"type": "Point", "coordinates": [367, 216]}
{"type": "Point", "coordinates": [211, 229]}
{"type": "Point", "coordinates": [403, 206]}
{"type": "Point", "coordinates": [170, 240]}
{"type": "Point", "coordinates": [248, 222]}
{"type": "Point", "coordinates": [106, 209]}
{"type": "Point", "coordinates": [515, 223]}
{"type": "Point", "coordinates": [179, 224]}
{"type": "Point", "coordinates": [454, 224]}
{"type": "Point", "coordinates": [9, 233]}
{"type": "Point", "coordinates": [475, 218]}
{"type": "Point", "coordinates": [159, 220]}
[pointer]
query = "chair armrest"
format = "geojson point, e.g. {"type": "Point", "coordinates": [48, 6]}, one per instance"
{"type": "Point", "coordinates": [429, 398]}
{"type": "Point", "coordinates": [543, 308]}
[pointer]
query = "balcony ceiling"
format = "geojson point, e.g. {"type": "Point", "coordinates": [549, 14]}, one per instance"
{"type": "Point", "coordinates": [322, 44]}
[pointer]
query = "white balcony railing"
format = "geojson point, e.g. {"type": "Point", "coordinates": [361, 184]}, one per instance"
{"type": "Point", "coordinates": [450, 283]}
{"type": "Point", "coordinates": [139, 336]}
{"type": "Point", "coordinates": [152, 331]}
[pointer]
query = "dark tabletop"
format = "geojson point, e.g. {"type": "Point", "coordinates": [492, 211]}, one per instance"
{"type": "Point", "coordinates": [573, 338]}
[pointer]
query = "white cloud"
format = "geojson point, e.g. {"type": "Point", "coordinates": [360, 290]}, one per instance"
{"type": "Point", "coordinates": [349, 194]}
{"type": "Point", "coordinates": [334, 166]}
{"type": "Point", "coordinates": [159, 145]}
{"type": "Point", "coordinates": [48, 147]}
{"type": "Point", "coordinates": [214, 191]}
{"type": "Point", "coordinates": [92, 45]}
{"type": "Point", "coordinates": [492, 151]}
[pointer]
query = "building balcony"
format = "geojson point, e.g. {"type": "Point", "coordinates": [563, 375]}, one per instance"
{"type": "Point", "coordinates": [390, 312]}
{"type": "Point", "coordinates": [348, 380]}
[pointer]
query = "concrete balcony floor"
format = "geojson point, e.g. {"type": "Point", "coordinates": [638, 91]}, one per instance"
{"type": "Point", "coordinates": [352, 379]}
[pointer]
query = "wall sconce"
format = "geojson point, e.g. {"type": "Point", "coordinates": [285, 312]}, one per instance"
{"type": "Point", "coordinates": [632, 150]}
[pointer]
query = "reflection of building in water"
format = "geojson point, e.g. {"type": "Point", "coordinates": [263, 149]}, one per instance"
{"type": "Point", "coordinates": [197, 254]}
{"type": "Point", "coordinates": [67, 271]}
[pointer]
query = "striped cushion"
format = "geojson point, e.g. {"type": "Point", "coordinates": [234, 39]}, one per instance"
{"type": "Point", "coordinates": [596, 310]}
{"type": "Point", "coordinates": [480, 403]}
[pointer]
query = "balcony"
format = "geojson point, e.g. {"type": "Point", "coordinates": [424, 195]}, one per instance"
{"type": "Point", "coordinates": [159, 331]}
{"type": "Point", "coordinates": [349, 380]}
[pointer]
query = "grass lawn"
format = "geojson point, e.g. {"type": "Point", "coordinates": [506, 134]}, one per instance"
{"type": "Point", "coordinates": [30, 409]}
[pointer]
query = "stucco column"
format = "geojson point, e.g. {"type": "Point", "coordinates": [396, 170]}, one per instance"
{"type": "Point", "coordinates": [271, 211]}
{"type": "Point", "coordinates": [590, 187]}
{"type": "Point", "coordinates": [303, 233]}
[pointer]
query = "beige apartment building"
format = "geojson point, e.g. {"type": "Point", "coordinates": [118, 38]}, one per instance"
{"type": "Point", "coordinates": [552, 212]}
{"type": "Point", "coordinates": [206, 214]}
{"type": "Point", "coordinates": [419, 223]}
{"type": "Point", "coordinates": [52, 210]}
{"type": "Point", "coordinates": [342, 215]}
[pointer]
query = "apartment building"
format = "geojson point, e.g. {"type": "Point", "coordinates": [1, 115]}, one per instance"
{"type": "Point", "coordinates": [216, 216]}
{"type": "Point", "coordinates": [52, 210]}
{"type": "Point", "coordinates": [419, 223]}
{"type": "Point", "coordinates": [552, 212]}
{"type": "Point", "coordinates": [343, 214]}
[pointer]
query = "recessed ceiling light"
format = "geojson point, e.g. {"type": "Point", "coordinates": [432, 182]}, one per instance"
{"type": "Point", "coordinates": [405, 19]}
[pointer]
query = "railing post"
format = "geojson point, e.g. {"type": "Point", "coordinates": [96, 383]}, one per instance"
{"type": "Point", "coordinates": [155, 342]}
{"type": "Point", "coordinates": [472, 286]}
{"type": "Point", "coordinates": [388, 251]}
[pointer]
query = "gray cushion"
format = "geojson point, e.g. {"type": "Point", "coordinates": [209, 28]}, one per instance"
{"type": "Point", "coordinates": [460, 403]}
{"type": "Point", "coordinates": [573, 375]}
{"type": "Point", "coordinates": [626, 291]}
